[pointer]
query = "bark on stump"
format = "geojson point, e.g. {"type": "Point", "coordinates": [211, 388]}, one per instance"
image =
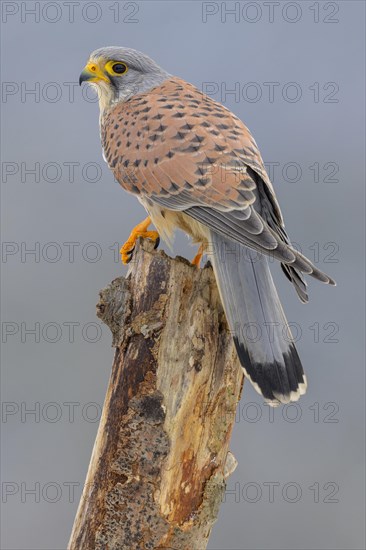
{"type": "Point", "coordinates": [157, 473]}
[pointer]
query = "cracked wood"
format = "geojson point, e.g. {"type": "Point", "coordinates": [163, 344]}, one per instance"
{"type": "Point", "coordinates": [160, 459]}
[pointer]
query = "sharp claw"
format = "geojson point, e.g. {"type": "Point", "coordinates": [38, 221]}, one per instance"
{"type": "Point", "coordinates": [126, 261]}
{"type": "Point", "coordinates": [126, 256]}
{"type": "Point", "coordinates": [157, 242]}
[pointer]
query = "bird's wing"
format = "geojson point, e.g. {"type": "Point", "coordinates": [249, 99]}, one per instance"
{"type": "Point", "coordinates": [185, 152]}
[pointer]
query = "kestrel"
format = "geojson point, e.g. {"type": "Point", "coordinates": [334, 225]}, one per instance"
{"type": "Point", "coordinates": [194, 165]}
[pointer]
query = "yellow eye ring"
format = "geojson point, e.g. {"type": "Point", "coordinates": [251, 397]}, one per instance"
{"type": "Point", "coordinates": [116, 68]}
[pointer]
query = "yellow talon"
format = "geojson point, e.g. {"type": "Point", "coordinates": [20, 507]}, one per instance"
{"type": "Point", "coordinates": [139, 231]}
{"type": "Point", "coordinates": [198, 257]}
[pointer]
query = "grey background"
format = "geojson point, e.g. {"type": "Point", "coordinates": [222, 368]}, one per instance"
{"type": "Point", "coordinates": [312, 450]}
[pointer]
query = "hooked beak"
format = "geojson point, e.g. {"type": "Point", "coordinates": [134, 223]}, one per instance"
{"type": "Point", "coordinates": [92, 73]}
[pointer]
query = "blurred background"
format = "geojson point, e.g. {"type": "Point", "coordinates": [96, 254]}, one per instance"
{"type": "Point", "coordinates": [294, 72]}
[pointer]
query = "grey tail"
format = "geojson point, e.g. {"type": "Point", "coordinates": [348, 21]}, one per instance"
{"type": "Point", "coordinates": [256, 319]}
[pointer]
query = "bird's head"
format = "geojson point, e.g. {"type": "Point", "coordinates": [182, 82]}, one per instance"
{"type": "Point", "coordinates": [120, 73]}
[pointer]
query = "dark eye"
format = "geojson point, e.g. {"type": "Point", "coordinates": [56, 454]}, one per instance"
{"type": "Point", "coordinates": [119, 68]}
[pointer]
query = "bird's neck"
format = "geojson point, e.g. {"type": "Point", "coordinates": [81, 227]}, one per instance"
{"type": "Point", "coordinates": [109, 97]}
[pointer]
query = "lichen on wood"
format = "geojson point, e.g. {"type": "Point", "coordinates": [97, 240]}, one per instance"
{"type": "Point", "coordinates": [160, 459]}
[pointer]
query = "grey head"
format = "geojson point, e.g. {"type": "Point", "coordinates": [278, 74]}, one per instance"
{"type": "Point", "coordinates": [120, 73]}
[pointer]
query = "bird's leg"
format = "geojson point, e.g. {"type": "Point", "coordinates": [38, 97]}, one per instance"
{"type": "Point", "coordinates": [139, 231]}
{"type": "Point", "coordinates": [198, 257]}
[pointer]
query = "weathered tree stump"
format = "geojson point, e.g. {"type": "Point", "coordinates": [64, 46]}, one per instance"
{"type": "Point", "coordinates": [160, 459]}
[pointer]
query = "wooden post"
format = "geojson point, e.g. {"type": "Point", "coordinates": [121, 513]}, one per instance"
{"type": "Point", "coordinates": [160, 459]}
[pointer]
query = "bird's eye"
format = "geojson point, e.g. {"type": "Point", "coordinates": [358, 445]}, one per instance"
{"type": "Point", "coordinates": [119, 68]}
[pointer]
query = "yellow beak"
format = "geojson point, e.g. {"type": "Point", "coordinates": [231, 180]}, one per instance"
{"type": "Point", "coordinates": [92, 73]}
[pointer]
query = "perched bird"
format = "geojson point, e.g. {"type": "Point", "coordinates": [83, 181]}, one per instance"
{"type": "Point", "coordinates": [194, 165]}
